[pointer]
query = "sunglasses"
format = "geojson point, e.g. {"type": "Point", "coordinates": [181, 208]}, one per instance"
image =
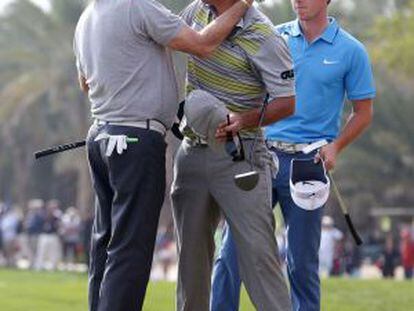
{"type": "Point", "coordinates": [234, 145]}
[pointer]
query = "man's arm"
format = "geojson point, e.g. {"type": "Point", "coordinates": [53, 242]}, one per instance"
{"type": "Point", "coordinates": [360, 89]}
{"type": "Point", "coordinates": [358, 121]}
{"type": "Point", "coordinates": [204, 42]}
{"type": "Point", "coordinates": [276, 110]}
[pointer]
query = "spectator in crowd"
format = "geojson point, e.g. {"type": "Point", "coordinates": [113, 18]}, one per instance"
{"type": "Point", "coordinates": [338, 266]}
{"type": "Point", "coordinates": [1, 235]}
{"type": "Point", "coordinates": [165, 249]}
{"type": "Point", "coordinates": [352, 257]}
{"type": "Point", "coordinates": [389, 258]}
{"type": "Point", "coordinates": [329, 237]}
{"type": "Point", "coordinates": [33, 226]}
{"type": "Point", "coordinates": [49, 250]}
{"type": "Point", "coordinates": [70, 232]}
{"type": "Point", "coordinates": [9, 227]}
{"type": "Point", "coordinates": [86, 231]}
{"type": "Point", "coordinates": [407, 252]}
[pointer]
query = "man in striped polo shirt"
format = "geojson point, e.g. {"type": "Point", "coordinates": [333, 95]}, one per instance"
{"type": "Point", "coordinates": [252, 62]}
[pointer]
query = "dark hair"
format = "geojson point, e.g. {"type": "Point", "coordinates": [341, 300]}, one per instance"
{"type": "Point", "coordinates": [329, 1]}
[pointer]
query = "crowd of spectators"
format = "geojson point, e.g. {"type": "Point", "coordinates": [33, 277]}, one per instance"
{"type": "Point", "coordinates": [43, 235]}
{"type": "Point", "coordinates": [386, 252]}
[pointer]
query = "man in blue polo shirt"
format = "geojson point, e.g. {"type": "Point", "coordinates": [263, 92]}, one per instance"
{"type": "Point", "coordinates": [330, 65]}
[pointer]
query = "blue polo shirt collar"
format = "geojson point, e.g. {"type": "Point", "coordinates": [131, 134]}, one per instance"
{"type": "Point", "coordinates": [295, 30]}
{"type": "Point", "coordinates": [328, 35]}
{"type": "Point", "coordinates": [330, 32]}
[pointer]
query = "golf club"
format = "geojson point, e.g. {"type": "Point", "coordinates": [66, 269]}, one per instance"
{"type": "Point", "coordinates": [344, 208]}
{"type": "Point", "coordinates": [59, 148]}
{"type": "Point", "coordinates": [345, 211]}
{"type": "Point", "coordinates": [248, 181]}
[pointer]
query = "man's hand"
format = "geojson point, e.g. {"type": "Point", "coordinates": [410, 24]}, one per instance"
{"type": "Point", "coordinates": [277, 109]}
{"type": "Point", "coordinates": [328, 154]}
{"type": "Point", "coordinates": [236, 124]}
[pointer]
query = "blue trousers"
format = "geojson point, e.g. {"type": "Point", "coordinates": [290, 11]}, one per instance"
{"type": "Point", "coordinates": [303, 239]}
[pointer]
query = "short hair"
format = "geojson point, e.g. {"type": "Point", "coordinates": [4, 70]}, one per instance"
{"type": "Point", "coordinates": [329, 1]}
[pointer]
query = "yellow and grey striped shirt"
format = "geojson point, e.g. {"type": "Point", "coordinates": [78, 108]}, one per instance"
{"type": "Point", "coordinates": [248, 65]}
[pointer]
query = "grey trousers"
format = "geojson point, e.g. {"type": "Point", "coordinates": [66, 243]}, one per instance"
{"type": "Point", "coordinates": [203, 186]}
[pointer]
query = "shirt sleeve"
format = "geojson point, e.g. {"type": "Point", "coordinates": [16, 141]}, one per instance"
{"type": "Point", "coordinates": [77, 57]}
{"type": "Point", "coordinates": [359, 80]}
{"type": "Point", "coordinates": [155, 21]}
{"type": "Point", "coordinates": [274, 63]}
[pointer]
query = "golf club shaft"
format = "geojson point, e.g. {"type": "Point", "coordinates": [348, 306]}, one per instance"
{"type": "Point", "coordinates": [59, 148]}
{"type": "Point", "coordinates": [345, 211]}
{"type": "Point", "coordinates": [261, 118]}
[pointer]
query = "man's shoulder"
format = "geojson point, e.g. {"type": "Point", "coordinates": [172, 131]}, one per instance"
{"type": "Point", "coordinates": [348, 41]}
{"type": "Point", "coordinates": [83, 19]}
{"type": "Point", "coordinates": [254, 15]}
{"type": "Point", "coordinates": [257, 26]}
{"type": "Point", "coordinates": [195, 10]}
{"type": "Point", "coordinates": [85, 14]}
{"type": "Point", "coordinates": [286, 28]}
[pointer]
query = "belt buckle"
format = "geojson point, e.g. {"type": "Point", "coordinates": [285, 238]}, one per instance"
{"type": "Point", "coordinates": [284, 147]}
{"type": "Point", "coordinates": [290, 148]}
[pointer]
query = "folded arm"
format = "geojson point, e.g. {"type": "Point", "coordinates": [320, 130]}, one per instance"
{"type": "Point", "coordinates": [276, 110]}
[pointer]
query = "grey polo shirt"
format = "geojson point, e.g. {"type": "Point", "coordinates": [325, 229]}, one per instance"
{"type": "Point", "coordinates": [120, 50]}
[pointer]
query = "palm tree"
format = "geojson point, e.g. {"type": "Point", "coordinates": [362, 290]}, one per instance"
{"type": "Point", "coordinates": [40, 102]}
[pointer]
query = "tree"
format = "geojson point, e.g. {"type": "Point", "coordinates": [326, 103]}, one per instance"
{"type": "Point", "coordinates": [394, 41]}
{"type": "Point", "coordinates": [380, 165]}
{"type": "Point", "coordinates": [38, 75]}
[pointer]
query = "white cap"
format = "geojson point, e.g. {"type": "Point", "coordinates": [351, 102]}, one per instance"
{"type": "Point", "coordinates": [309, 185]}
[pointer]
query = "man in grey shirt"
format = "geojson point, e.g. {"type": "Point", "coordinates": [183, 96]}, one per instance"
{"type": "Point", "coordinates": [125, 68]}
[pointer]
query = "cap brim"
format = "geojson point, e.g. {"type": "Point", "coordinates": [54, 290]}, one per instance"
{"type": "Point", "coordinates": [219, 116]}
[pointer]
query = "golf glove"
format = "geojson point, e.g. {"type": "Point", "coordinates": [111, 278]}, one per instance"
{"type": "Point", "coordinates": [118, 141]}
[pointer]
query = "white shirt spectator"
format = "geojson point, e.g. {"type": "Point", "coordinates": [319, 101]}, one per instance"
{"type": "Point", "coordinates": [329, 237]}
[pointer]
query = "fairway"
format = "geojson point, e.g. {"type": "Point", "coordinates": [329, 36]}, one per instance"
{"type": "Point", "coordinates": [23, 291]}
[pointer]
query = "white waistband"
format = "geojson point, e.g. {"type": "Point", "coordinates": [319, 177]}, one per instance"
{"type": "Point", "coordinates": [287, 147]}
{"type": "Point", "coordinates": [152, 124]}
{"type": "Point", "coordinates": [293, 148]}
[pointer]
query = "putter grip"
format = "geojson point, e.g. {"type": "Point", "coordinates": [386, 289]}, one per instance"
{"type": "Point", "coordinates": [59, 148]}
{"type": "Point", "coordinates": [354, 233]}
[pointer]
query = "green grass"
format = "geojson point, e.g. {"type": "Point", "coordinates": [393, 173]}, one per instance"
{"type": "Point", "coordinates": [32, 291]}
